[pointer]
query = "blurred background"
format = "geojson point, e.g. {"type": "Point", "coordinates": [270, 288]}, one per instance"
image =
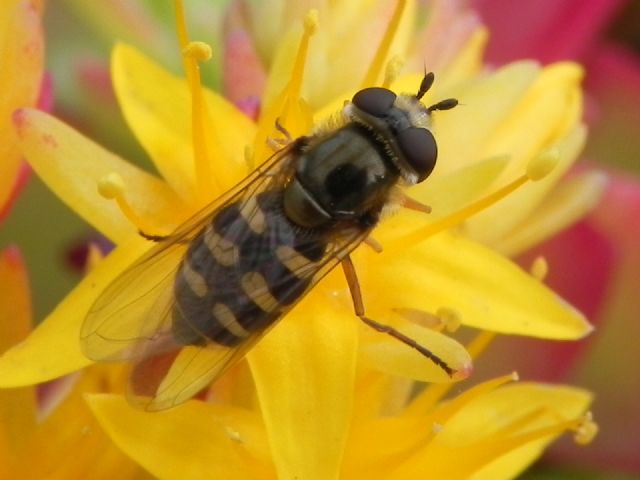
{"type": "Point", "coordinates": [595, 264]}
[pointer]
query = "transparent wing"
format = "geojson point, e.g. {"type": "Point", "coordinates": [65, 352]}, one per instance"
{"type": "Point", "coordinates": [167, 379]}
{"type": "Point", "coordinates": [174, 373]}
{"type": "Point", "coordinates": [132, 318]}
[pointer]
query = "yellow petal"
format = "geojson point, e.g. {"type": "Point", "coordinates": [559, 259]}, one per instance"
{"type": "Point", "coordinates": [486, 106]}
{"type": "Point", "coordinates": [450, 192]}
{"type": "Point", "coordinates": [193, 441]}
{"type": "Point", "coordinates": [380, 445]}
{"type": "Point", "coordinates": [539, 118]}
{"type": "Point", "coordinates": [515, 410]}
{"type": "Point", "coordinates": [467, 63]}
{"type": "Point", "coordinates": [15, 314]}
{"type": "Point", "coordinates": [71, 427]}
{"type": "Point", "coordinates": [389, 355]}
{"type": "Point", "coordinates": [566, 204]}
{"type": "Point", "coordinates": [487, 290]}
{"type": "Point", "coordinates": [304, 371]}
{"type": "Point", "coordinates": [156, 105]}
{"type": "Point", "coordinates": [17, 407]}
{"type": "Point", "coordinates": [498, 433]}
{"type": "Point", "coordinates": [53, 348]}
{"type": "Point", "coordinates": [21, 63]}
{"type": "Point", "coordinates": [494, 223]}
{"type": "Point", "coordinates": [72, 165]}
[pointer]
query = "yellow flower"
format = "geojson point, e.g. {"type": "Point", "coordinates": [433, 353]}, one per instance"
{"type": "Point", "coordinates": [322, 397]}
{"type": "Point", "coordinates": [21, 64]}
{"type": "Point", "coordinates": [39, 428]}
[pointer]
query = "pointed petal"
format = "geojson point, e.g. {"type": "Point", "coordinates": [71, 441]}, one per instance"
{"type": "Point", "coordinates": [21, 64]}
{"type": "Point", "coordinates": [15, 298]}
{"type": "Point", "coordinates": [304, 371]}
{"type": "Point", "coordinates": [542, 405]}
{"type": "Point", "coordinates": [449, 192]}
{"type": "Point", "coordinates": [71, 427]}
{"type": "Point", "coordinates": [193, 441]}
{"type": "Point", "coordinates": [156, 105]}
{"type": "Point", "coordinates": [18, 406]}
{"type": "Point", "coordinates": [487, 290]}
{"type": "Point", "coordinates": [468, 61]}
{"type": "Point", "coordinates": [499, 433]}
{"type": "Point", "coordinates": [53, 348]}
{"type": "Point", "coordinates": [72, 165]}
{"type": "Point", "coordinates": [565, 205]}
{"type": "Point", "coordinates": [389, 355]}
{"type": "Point", "coordinates": [487, 105]}
{"type": "Point", "coordinates": [494, 223]}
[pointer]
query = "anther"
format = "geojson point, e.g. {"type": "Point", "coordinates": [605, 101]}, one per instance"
{"type": "Point", "coordinates": [586, 430]}
{"type": "Point", "coordinates": [450, 318]}
{"type": "Point", "coordinates": [94, 256]}
{"type": "Point", "coordinates": [311, 21]}
{"type": "Point", "coordinates": [421, 317]}
{"type": "Point", "coordinates": [539, 268]}
{"type": "Point", "coordinates": [394, 66]}
{"type": "Point", "coordinates": [198, 51]}
{"type": "Point", "coordinates": [543, 164]}
{"type": "Point", "coordinates": [233, 434]}
{"type": "Point", "coordinates": [112, 187]}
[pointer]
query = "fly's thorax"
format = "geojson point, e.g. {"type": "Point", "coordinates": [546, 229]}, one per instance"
{"type": "Point", "coordinates": [343, 176]}
{"type": "Point", "coordinates": [347, 174]}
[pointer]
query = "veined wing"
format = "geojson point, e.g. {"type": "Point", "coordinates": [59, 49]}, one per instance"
{"type": "Point", "coordinates": [278, 268]}
{"type": "Point", "coordinates": [174, 373]}
{"type": "Point", "coordinates": [135, 309]}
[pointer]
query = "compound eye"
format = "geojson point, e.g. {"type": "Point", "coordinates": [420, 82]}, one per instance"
{"type": "Point", "coordinates": [419, 149]}
{"type": "Point", "coordinates": [375, 101]}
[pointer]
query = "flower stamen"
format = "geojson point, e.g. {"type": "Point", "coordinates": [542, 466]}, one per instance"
{"type": "Point", "coordinates": [430, 396]}
{"type": "Point", "coordinates": [193, 53]}
{"type": "Point", "coordinates": [450, 318]}
{"type": "Point", "coordinates": [112, 187]}
{"type": "Point", "coordinates": [480, 343]}
{"type": "Point", "coordinates": [297, 75]}
{"type": "Point", "coordinates": [288, 108]}
{"type": "Point", "coordinates": [392, 72]}
{"type": "Point", "coordinates": [539, 268]}
{"type": "Point", "coordinates": [537, 169]}
{"type": "Point", "coordinates": [375, 69]}
{"type": "Point", "coordinates": [585, 430]}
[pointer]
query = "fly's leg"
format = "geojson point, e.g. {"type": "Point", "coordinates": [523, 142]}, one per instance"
{"type": "Point", "coordinates": [153, 238]}
{"type": "Point", "coordinates": [160, 238]}
{"type": "Point", "coordinates": [358, 306]}
{"type": "Point", "coordinates": [279, 143]}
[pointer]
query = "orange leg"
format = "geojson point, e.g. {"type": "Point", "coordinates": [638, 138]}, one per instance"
{"type": "Point", "coordinates": [358, 306]}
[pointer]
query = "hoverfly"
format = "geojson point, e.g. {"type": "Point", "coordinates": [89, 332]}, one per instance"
{"type": "Point", "coordinates": [216, 285]}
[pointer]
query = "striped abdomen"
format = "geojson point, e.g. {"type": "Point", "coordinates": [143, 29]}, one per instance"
{"type": "Point", "coordinates": [242, 271]}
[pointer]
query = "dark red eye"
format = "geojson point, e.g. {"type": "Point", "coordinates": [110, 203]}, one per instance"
{"type": "Point", "coordinates": [419, 149]}
{"type": "Point", "coordinates": [375, 101]}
